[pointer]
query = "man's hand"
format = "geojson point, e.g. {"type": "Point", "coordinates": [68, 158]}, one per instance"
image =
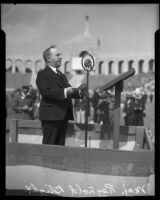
{"type": "Point", "coordinates": [70, 90]}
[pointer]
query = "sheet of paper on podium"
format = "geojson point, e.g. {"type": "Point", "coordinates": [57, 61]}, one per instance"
{"type": "Point", "coordinates": [82, 86]}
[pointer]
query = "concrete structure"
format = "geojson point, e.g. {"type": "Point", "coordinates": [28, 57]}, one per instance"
{"type": "Point", "coordinates": [105, 64]}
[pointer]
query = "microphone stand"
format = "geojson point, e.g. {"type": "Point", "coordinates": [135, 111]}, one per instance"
{"type": "Point", "coordinates": [87, 111]}
{"type": "Point", "coordinates": [88, 65]}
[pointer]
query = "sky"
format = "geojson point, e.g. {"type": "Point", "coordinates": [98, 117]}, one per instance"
{"type": "Point", "coordinates": [121, 28]}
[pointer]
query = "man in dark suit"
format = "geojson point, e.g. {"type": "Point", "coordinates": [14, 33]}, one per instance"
{"type": "Point", "coordinates": [128, 111]}
{"type": "Point", "coordinates": [139, 109]}
{"type": "Point", "coordinates": [95, 99]}
{"type": "Point", "coordinates": [56, 106]}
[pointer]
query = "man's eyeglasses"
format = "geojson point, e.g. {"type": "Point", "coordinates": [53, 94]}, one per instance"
{"type": "Point", "coordinates": [58, 54]}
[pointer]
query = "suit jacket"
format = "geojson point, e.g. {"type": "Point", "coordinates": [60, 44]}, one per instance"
{"type": "Point", "coordinates": [129, 107]}
{"type": "Point", "coordinates": [95, 99]}
{"type": "Point", "coordinates": [53, 105]}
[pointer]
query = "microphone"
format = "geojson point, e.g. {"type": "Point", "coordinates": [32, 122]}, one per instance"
{"type": "Point", "coordinates": [88, 62]}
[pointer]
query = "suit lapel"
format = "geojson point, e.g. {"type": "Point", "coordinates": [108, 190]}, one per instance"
{"type": "Point", "coordinates": [61, 76]}
{"type": "Point", "coordinates": [58, 78]}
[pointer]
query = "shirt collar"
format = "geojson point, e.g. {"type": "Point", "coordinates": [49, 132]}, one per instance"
{"type": "Point", "coordinates": [54, 69]}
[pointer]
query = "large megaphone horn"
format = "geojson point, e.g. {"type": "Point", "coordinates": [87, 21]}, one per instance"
{"type": "Point", "coordinates": [88, 62]}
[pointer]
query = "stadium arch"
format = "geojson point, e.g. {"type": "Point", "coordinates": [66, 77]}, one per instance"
{"type": "Point", "coordinates": [9, 65]}
{"type": "Point", "coordinates": [28, 66]}
{"type": "Point", "coordinates": [100, 67]}
{"type": "Point", "coordinates": [151, 65]}
{"type": "Point", "coordinates": [130, 64]}
{"type": "Point", "coordinates": [19, 67]}
{"type": "Point", "coordinates": [38, 66]}
{"type": "Point", "coordinates": [140, 66]}
{"type": "Point", "coordinates": [120, 67]}
{"type": "Point", "coordinates": [110, 65]}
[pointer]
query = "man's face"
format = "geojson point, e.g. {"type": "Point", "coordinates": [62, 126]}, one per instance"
{"type": "Point", "coordinates": [55, 58]}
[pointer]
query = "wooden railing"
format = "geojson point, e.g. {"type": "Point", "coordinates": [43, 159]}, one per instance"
{"type": "Point", "coordinates": [96, 131]}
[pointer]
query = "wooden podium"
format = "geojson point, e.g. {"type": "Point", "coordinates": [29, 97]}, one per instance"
{"type": "Point", "coordinates": [118, 84]}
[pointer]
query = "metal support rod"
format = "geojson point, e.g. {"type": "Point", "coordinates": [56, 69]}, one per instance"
{"type": "Point", "coordinates": [87, 109]}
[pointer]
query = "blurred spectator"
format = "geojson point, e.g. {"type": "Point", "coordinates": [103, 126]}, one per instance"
{"type": "Point", "coordinates": [144, 97]}
{"type": "Point", "coordinates": [128, 111]}
{"type": "Point", "coordinates": [111, 109]}
{"type": "Point", "coordinates": [151, 96]}
{"type": "Point", "coordinates": [98, 109]}
{"type": "Point", "coordinates": [16, 104]}
{"type": "Point", "coordinates": [23, 103]}
{"type": "Point", "coordinates": [36, 105]}
{"type": "Point", "coordinates": [138, 80]}
{"type": "Point", "coordinates": [103, 109]}
{"type": "Point", "coordinates": [29, 101]}
{"type": "Point", "coordinates": [94, 101]}
{"type": "Point", "coordinates": [80, 110]}
{"type": "Point", "coordinates": [139, 109]}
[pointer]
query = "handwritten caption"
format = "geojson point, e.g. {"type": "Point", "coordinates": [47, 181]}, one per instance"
{"type": "Point", "coordinates": [77, 190]}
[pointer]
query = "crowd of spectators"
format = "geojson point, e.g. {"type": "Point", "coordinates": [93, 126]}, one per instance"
{"type": "Point", "coordinates": [24, 102]}
{"type": "Point", "coordinates": [101, 106]}
{"type": "Point", "coordinates": [138, 80]}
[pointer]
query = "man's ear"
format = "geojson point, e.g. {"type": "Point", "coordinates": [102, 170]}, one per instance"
{"type": "Point", "coordinates": [48, 58]}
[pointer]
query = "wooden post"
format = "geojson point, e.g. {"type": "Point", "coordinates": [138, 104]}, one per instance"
{"type": "Point", "coordinates": [118, 90]}
{"type": "Point", "coordinates": [13, 130]}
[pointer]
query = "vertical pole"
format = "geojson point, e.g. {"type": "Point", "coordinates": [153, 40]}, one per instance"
{"type": "Point", "coordinates": [116, 128]}
{"type": "Point", "coordinates": [86, 113]}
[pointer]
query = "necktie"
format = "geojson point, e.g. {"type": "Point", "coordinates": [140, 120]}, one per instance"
{"type": "Point", "coordinates": [58, 72]}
